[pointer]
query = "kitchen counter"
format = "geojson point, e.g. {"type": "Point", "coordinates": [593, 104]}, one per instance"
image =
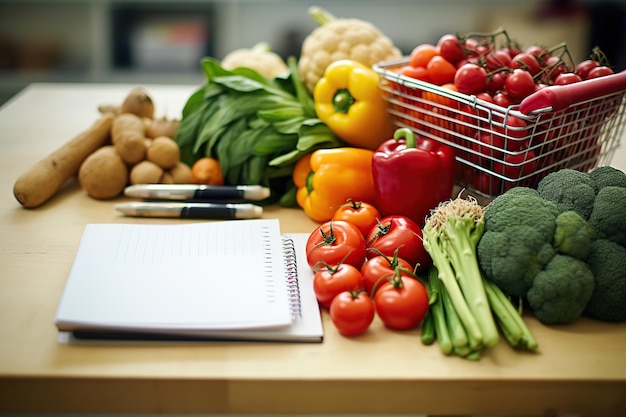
{"type": "Point", "coordinates": [580, 369]}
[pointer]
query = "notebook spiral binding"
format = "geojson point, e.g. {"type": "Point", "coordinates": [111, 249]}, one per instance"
{"type": "Point", "coordinates": [291, 270]}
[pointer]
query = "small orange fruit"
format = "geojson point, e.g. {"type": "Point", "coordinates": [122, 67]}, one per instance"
{"type": "Point", "coordinates": [207, 171]}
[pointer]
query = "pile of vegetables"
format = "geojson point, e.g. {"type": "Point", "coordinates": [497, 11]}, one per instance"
{"type": "Point", "coordinates": [256, 127]}
{"type": "Point", "coordinates": [127, 144]}
{"type": "Point", "coordinates": [561, 247]}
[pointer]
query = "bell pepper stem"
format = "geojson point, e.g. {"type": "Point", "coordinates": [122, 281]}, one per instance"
{"type": "Point", "coordinates": [408, 136]}
{"type": "Point", "coordinates": [343, 100]}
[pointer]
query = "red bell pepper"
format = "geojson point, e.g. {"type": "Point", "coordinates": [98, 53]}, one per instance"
{"type": "Point", "coordinates": [411, 177]}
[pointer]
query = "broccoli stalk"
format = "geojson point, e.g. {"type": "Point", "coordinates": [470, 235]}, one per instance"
{"type": "Point", "coordinates": [451, 235]}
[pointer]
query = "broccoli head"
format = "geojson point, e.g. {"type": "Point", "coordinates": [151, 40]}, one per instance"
{"type": "Point", "coordinates": [517, 239]}
{"type": "Point", "coordinates": [513, 257]}
{"type": "Point", "coordinates": [605, 176]}
{"type": "Point", "coordinates": [572, 235]}
{"type": "Point", "coordinates": [608, 216]}
{"type": "Point", "coordinates": [607, 261]}
{"type": "Point", "coordinates": [561, 291]}
{"type": "Point", "coordinates": [570, 190]}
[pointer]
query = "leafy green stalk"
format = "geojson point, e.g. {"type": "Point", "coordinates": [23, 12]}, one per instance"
{"type": "Point", "coordinates": [434, 247]}
{"type": "Point", "coordinates": [451, 234]}
{"type": "Point", "coordinates": [439, 315]}
{"type": "Point", "coordinates": [455, 326]}
{"type": "Point", "coordinates": [509, 319]}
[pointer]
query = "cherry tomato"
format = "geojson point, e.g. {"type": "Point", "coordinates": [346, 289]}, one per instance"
{"type": "Point", "coordinates": [583, 68]}
{"type": "Point", "coordinates": [519, 84]}
{"type": "Point", "coordinates": [516, 166]}
{"type": "Point", "coordinates": [525, 61]}
{"type": "Point", "coordinates": [567, 78]}
{"type": "Point", "coordinates": [502, 99]}
{"type": "Point", "coordinates": [335, 242]}
{"type": "Point", "coordinates": [402, 304]}
{"type": "Point", "coordinates": [600, 71]}
{"type": "Point", "coordinates": [495, 81]}
{"type": "Point", "coordinates": [401, 233]}
{"type": "Point", "coordinates": [362, 215]}
{"type": "Point", "coordinates": [378, 270]}
{"type": "Point", "coordinates": [419, 73]}
{"type": "Point", "coordinates": [470, 79]}
{"type": "Point", "coordinates": [451, 48]}
{"type": "Point", "coordinates": [440, 71]}
{"type": "Point", "coordinates": [422, 54]}
{"type": "Point", "coordinates": [497, 59]}
{"type": "Point", "coordinates": [332, 280]}
{"type": "Point", "coordinates": [352, 313]}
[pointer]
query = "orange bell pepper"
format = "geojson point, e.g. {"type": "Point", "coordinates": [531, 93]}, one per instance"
{"type": "Point", "coordinates": [327, 178]}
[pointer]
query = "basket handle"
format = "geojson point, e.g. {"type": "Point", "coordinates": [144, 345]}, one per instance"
{"type": "Point", "coordinates": [559, 97]}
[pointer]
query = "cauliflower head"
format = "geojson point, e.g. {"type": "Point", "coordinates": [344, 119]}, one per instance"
{"type": "Point", "coordinates": [341, 38]}
{"type": "Point", "coordinates": [259, 58]}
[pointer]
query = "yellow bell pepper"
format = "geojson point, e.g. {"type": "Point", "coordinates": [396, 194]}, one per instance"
{"type": "Point", "coordinates": [327, 178]}
{"type": "Point", "coordinates": [348, 100]}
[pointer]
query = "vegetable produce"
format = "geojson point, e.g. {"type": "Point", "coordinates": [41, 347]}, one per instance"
{"type": "Point", "coordinates": [380, 269]}
{"type": "Point", "coordinates": [348, 100]}
{"type": "Point", "coordinates": [103, 174]}
{"type": "Point", "coordinates": [398, 235]}
{"type": "Point", "coordinates": [256, 127]}
{"type": "Point", "coordinates": [207, 171]}
{"type": "Point", "coordinates": [164, 152]}
{"type": "Point", "coordinates": [40, 182]}
{"type": "Point", "coordinates": [362, 215]}
{"type": "Point", "coordinates": [326, 178]}
{"type": "Point", "coordinates": [549, 247]}
{"type": "Point", "coordinates": [259, 58]}
{"type": "Point", "coordinates": [335, 242]}
{"type": "Point", "coordinates": [352, 312]}
{"type": "Point", "coordinates": [401, 302]}
{"type": "Point", "coordinates": [411, 177]}
{"type": "Point", "coordinates": [465, 308]}
{"type": "Point", "coordinates": [329, 43]}
{"type": "Point", "coordinates": [442, 322]}
{"type": "Point", "coordinates": [451, 234]}
{"type": "Point", "coordinates": [331, 280]}
{"type": "Point", "coordinates": [144, 172]}
{"type": "Point", "coordinates": [137, 102]}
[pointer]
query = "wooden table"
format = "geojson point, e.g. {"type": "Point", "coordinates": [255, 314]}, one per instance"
{"type": "Point", "coordinates": [580, 369]}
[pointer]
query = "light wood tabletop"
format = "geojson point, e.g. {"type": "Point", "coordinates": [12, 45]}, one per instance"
{"type": "Point", "coordinates": [579, 369]}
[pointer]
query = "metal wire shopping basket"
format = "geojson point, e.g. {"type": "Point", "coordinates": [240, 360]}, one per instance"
{"type": "Point", "coordinates": [577, 126]}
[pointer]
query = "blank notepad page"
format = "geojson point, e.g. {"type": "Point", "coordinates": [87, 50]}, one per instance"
{"type": "Point", "coordinates": [214, 275]}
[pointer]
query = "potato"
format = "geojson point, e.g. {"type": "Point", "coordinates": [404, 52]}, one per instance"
{"type": "Point", "coordinates": [132, 147]}
{"type": "Point", "coordinates": [104, 174]}
{"type": "Point", "coordinates": [181, 173]}
{"type": "Point", "coordinates": [164, 152]}
{"type": "Point", "coordinates": [160, 127]}
{"type": "Point", "coordinates": [138, 102]}
{"type": "Point", "coordinates": [146, 172]}
{"type": "Point", "coordinates": [124, 123]}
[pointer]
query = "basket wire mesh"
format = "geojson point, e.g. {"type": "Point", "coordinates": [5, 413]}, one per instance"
{"type": "Point", "coordinates": [498, 148]}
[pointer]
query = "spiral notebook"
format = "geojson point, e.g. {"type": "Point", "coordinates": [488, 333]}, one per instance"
{"type": "Point", "coordinates": [228, 280]}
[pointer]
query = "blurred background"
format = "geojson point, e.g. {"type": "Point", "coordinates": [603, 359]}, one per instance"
{"type": "Point", "coordinates": [160, 41]}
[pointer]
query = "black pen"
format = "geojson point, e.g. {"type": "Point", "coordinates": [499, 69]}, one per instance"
{"type": "Point", "coordinates": [191, 210]}
{"type": "Point", "coordinates": [198, 192]}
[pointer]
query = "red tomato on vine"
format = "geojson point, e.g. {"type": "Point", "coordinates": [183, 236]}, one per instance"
{"type": "Point", "coordinates": [398, 233]}
{"type": "Point", "coordinates": [331, 280]}
{"type": "Point", "coordinates": [335, 242]}
{"type": "Point", "coordinates": [352, 312]}
{"type": "Point", "coordinates": [402, 303]}
{"type": "Point", "coordinates": [362, 215]}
